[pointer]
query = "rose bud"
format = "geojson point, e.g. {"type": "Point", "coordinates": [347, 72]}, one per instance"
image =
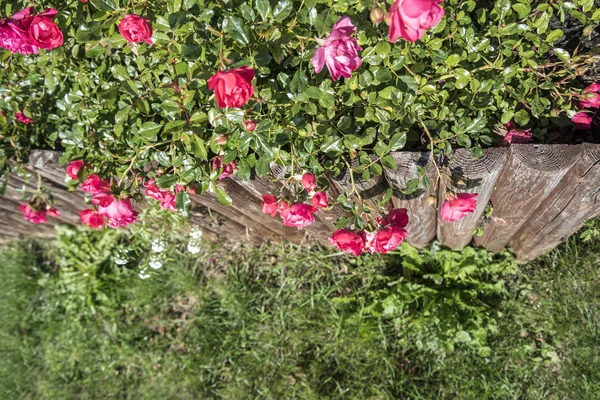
{"type": "Point", "coordinates": [221, 139]}
{"type": "Point", "coordinates": [377, 15]}
{"type": "Point", "coordinates": [250, 125]}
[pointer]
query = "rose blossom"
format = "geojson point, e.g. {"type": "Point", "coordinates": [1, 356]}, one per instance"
{"type": "Point", "coordinates": [73, 168]}
{"type": "Point", "coordinates": [320, 200]}
{"type": "Point", "coordinates": [20, 116]}
{"type": "Point", "coordinates": [232, 88]}
{"type": "Point", "coordinates": [339, 51]}
{"type": "Point", "coordinates": [388, 239]}
{"type": "Point", "coordinates": [582, 121]}
{"type": "Point", "coordinates": [37, 216]}
{"type": "Point", "coordinates": [43, 32]}
{"type": "Point", "coordinates": [136, 29]}
{"type": "Point", "coordinates": [119, 212]}
{"type": "Point", "coordinates": [91, 218]}
{"type": "Point", "coordinates": [591, 97]}
{"type": "Point", "coordinates": [309, 182]}
{"type": "Point", "coordinates": [14, 35]}
{"type": "Point", "coordinates": [410, 18]}
{"type": "Point", "coordinates": [26, 33]}
{"type": "Point", "coordinates": [228, 169]}
{"type": "Point", "coordinates": [454, 208]}
{"type": "Point", "coordinates": [517, 136]}
{"type": "Point", "coordinates": [397, 217]}
{"type": "Point", "coordinates": [93, 184]}
{"type": "Point", "coordinates": [298, 215]}
{"type": "Point", "coordinates": [250, 125]}
{"type": "Point", "coordinates": [269, 205]}
{"type": "Point", "coordinates": [347, 241]}
{"type": "Point", "coordinates": [167, 199]}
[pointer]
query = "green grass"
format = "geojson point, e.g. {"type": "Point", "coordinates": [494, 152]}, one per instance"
{"type": "Point", "coordinates": [288, 322]}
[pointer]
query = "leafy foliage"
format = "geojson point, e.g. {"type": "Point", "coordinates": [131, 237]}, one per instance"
{"type": "Point", "coordinates": [122, 107]}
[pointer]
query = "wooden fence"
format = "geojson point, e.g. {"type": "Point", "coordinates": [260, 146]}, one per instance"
{"type": "Point", "coordinates": [540, 194]}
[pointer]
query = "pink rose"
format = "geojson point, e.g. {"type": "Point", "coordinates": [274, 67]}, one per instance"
{"type": "Point", "coordinates": [250, 125]}
{"type": "Point", "coordinates": [228, 169]}
{"type": "Point", "coordinates": [232, 88]}
{"type": "Point", "coordinates": [53, 212]}
{"type": "Point", "coordinates": [33, 216]}
{"type": "Point", "coordinates": [43, 32]}
{"type": "Point", "coordinates": [591, 97]}
{"type": "Point", "coordinates": [136, 29]}
{"type": "Point", "coordinates": [309, 182]}
{"type": "Point", "coordinates": [37, 216]}
{"type": "Point", "coordinates": [582, 121]}
{"type": "Point", "coordinates": [517, 136]}
{"type": "Point", "coordinates": [397, 217]}
{"type": "Point", "coordinates": [410, 18]}
{"type": "Point", "coordinates": [320, 200]}
{"type": "Point", "coordinates": [93, 184]}
{"type": "Point", "coordinates": [118, 212]}
{"type": "Point", "coordinates": [454, 208]}
{"type": "Point", "coordinates": [388, 239]}
{"type": "Point", "coordinates": [347, 241]}
{"type": "Point", "coordinates": [298, 215]}
{"type": "Point", "coordinates": [20, 116]}
{"type": "Point", "coordinates": [14, 35]}
{"type": "Point", "coordinates": [167, 199]}
{"type": "Point", "coordinates": [73, 169]}
{"type": "Point", "coordinates": [339, 51]}
{"type": "Point", "coordinates": [269, 205]}
{"type": "Point", "coordinates": [91, 218]}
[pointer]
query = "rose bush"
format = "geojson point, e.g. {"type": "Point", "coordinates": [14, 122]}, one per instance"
{"type": "Point", "coordinates": [187, 92]}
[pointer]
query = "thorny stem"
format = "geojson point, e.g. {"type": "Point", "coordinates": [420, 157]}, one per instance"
{"type": "Point", "coordinates": [353, 185]}
{"type": "Point", "coordinates": [431, 156]}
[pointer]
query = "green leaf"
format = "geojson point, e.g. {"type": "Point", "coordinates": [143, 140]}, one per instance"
{"type": "Point", "coordinates": [462, 77]}
{"type": "Point", "coordinates": [105, 5]}
{"type": "Point", "coordinates": [452, 60]}
{"type": "Point", "coordinates": [263, 7]}
{"type": "Point", "coordinates": [183, 203]}
{"type": "Point", "coordinates": [522, 117]}
{"type": "Point", "coordinates": [237, 30]}
{"type": "Point", "coordinates": [166, 181]}
{"type": "Point", "coordinates": [149, 130]}
{"type": "Point", "coordinates": [222, 196]}
{"type": "Point", "coordinates": [507, 116]}
{"type": "Point", "coordinates": [554, 35]}
{"type": "Point", "coordinates": [383, 48]}
{"type": "Point", "coordinates": [522, 9]}
{"type": "Point", "coordinates": [122, 114]}
{"type": "Point", "coordinates": [198, 148]}
{"type": "Point", "coordinates": [563, 55]}
{"type": "Point", "coordinates": [282, 10]}
{"type": "Point", "coordinates": [398, 141]}
{"type": "Point", "coordinates": [389, 162]}
{"type": "Point", "coordinates": [476, 125]}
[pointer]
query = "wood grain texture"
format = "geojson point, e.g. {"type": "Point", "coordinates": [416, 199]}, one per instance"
{"type": "Point", "coordinates": [422, 216]}
{"type": "Point", "coordinates": [246, 209]}
{"type": "Point", "coordinates": [479, 176]}
{"type": "Point", "coordinates": [528, 177]}
{"type": "Point", "coordinates": [575, 199]}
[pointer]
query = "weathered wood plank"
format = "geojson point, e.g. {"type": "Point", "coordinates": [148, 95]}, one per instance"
{"type": "Point", "coordinates": [479, 176]}
{"type": "Point", "coordinates": [563, 212]}
{"type": "Point", "coordinates": [247, 210]}
{"type": "Point", "coordinates": [529, 175]}
{"type": "Point", "coordinates": [422, 215]}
